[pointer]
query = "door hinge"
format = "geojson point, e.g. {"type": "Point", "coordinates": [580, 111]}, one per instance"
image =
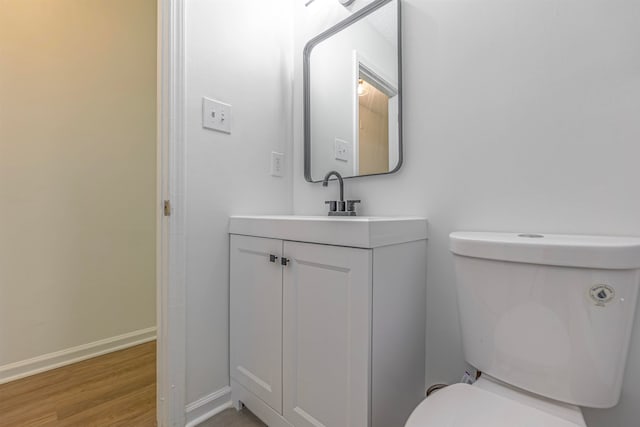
{"type": "Point", "coordinates": [167, 208]}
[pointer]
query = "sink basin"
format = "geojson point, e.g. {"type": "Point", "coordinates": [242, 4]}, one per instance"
{"type": "Point", "coordinates": [358, 232]}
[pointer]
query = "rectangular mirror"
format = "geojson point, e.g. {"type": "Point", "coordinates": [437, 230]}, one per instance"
{"type": "Point", "coordinates": [353, 96]}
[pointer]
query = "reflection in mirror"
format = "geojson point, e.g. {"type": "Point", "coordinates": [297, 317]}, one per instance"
{"type": "Point", "coordinates": [376, 144]}
{"type": "Point", "coordinates": [353, 96]}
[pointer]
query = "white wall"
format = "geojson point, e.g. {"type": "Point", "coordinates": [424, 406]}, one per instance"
{"type": "Point", "coordinates": [519, 115]}
{"type": "Point", "coordinates": [77, 177]}
{"type": "Point", "coordinates": [238, 51]}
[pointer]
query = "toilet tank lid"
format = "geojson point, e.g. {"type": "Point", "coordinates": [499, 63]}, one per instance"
{"type": "Point", "coordinates": [568, 250]}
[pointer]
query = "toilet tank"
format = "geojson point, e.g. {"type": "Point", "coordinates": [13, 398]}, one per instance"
{"type": "Point", "coordinates": [551, 314]}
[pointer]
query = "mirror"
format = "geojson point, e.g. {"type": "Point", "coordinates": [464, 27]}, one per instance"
{"type": "Point", "coordinates": [352, 95]}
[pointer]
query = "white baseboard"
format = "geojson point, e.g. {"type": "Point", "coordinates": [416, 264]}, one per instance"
{"type": "Point", "coordinates": [46, 362]}
{"type": "Point", "coordinates": [241, 396]}
{"type": "Point", "coordinates": [208, 406]}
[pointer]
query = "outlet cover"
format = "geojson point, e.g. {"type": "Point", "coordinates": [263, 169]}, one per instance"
{"type": "Point", "coordinates": [277, 164]}
{"type": "Point", "coordinates": [341, 149]}
{"type": "Point", "coordinates": [216, 115]}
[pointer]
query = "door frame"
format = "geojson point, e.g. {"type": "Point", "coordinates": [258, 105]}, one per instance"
{"type": "Point", "coordinates": [171, 230]}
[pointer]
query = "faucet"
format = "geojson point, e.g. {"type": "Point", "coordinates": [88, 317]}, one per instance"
{"type": "Point", "coordinates": [339, 207]}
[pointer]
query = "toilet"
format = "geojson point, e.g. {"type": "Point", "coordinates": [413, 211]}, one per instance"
{"type": "Point", "coordinates": [547, 320]}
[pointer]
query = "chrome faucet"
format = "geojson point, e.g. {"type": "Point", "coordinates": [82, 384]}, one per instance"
{"type": "Point", "coordinates": [339, 207]}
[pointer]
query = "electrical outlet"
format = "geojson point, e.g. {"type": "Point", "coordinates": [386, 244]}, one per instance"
{"type": "Point", "coordinates": [216, 115]}
{"type": "Point", "coordinates": [277, 164]}
{"type": "Point", "coordinates": [341, 150]}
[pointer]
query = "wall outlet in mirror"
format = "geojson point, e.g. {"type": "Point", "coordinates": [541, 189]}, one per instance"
{"type": "Point", "coordinates": [342, 151]}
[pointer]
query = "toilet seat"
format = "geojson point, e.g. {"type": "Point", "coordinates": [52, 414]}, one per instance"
{"type": "Point", "coordinates": [462, 405]}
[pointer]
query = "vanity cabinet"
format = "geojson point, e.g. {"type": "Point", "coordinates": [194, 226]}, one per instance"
{"type": "Point", "coordinates": [326, 334]}
{"type": "Point", "coordinates": [256, 317]}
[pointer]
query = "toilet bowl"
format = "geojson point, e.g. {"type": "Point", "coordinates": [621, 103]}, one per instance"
{"type": "Point", "coordinates": [547, 320]}
{"type": "Point", "coordinates": [489, 403]}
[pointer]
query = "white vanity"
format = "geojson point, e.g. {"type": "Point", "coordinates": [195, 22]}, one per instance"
{"type": "Point", "coordinates": [328, 319]}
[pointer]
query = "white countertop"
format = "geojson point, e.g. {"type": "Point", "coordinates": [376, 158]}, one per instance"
{"type": "Point", "coordinates": [359, 231]}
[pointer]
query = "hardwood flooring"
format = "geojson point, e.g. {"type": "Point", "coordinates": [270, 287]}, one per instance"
{"type": "Point", "coordinates": [117, 389]}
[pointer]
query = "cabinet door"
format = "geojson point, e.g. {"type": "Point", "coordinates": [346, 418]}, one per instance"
{"type": "Point", "coordinates": [256, 317]}
{"type": "Point", "coordinates": [327, 325]}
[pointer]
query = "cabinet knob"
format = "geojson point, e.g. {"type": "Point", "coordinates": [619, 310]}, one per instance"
{"type": "Point", "coordinates": [284, 261]}
{"type": "Point", "coordinates": [273, 258]}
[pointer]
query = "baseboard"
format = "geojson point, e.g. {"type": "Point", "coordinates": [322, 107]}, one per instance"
{"type": "Point", "coordinates": [241, 396]}
{"type": "Point", "coordinates": [208, 406]}
{"type": "Point", "coordinates": [46, 362]}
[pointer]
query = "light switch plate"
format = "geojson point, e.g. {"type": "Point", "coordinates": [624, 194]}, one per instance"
{"type": "Point", "coordinates": [216, 115]}
{"type": "Point", "coordinates": [341, 150]}
{"type": "Point", "coordinates": [277, 164]}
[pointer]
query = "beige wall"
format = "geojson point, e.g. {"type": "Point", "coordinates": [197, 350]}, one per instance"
{"type": "Point", "coordinates": [77, 172]}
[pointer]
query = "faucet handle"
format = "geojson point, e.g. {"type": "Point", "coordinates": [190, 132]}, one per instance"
{"type": "Point", "coordinates": [351, 205]}
{"type": "Point", "coordinates": [333, 205]}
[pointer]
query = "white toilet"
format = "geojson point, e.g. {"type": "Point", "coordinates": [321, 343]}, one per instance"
{"type": "Point", "coordinates": [547, 320]}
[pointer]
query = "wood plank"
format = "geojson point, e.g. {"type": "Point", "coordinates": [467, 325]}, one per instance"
{"type": "Point", "coordinates": [119, 411]}
{"type": "Point", "coordinates": [115, 389]}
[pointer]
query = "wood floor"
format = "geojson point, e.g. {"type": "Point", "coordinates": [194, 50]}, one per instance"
{"type": "Point", "coordinates": [117, 389]}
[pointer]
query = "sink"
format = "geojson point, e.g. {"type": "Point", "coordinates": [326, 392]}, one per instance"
{"type": "Point", "coordinates": [358, 232]}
